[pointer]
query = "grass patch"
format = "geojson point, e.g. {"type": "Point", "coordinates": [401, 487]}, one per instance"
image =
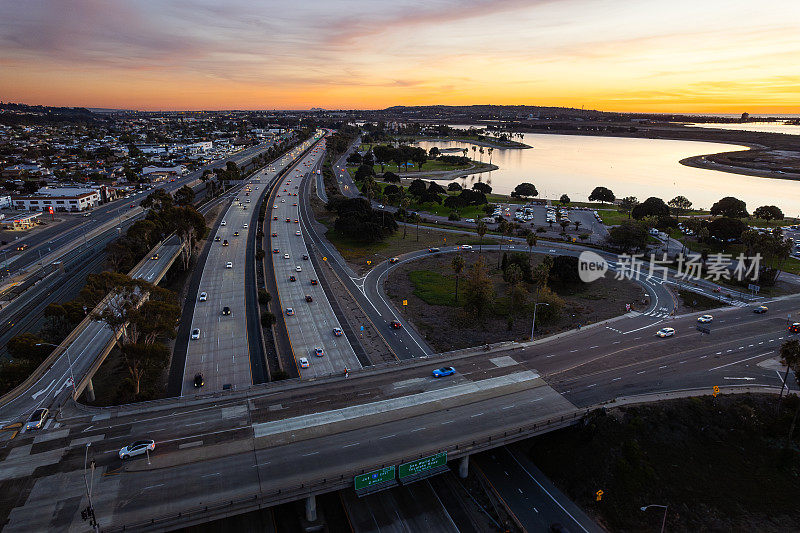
{"type": "Point", "coordinates": [698, 302]}
{"type": "Point", "coordinates": [612, 217]}
{"type": "Point", "coordinates": [433, 288]}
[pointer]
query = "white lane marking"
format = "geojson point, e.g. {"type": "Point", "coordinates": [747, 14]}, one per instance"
{"type": "Point", "coordinates": [349, 445]}
{"type": "Point", "coordinates": [506, 407]}
{"type": "Point", "coordinates": [309, 454]}
{"type": "Point", "coordinates": [616, 379]}
{"type": "Point", "coordinates": [44, 390]}
{"type": "Point", "coordinates": [387, 436]}
{"type": "Point", "coordinates": [573, 351]}
{"type": "Point", "coordinates": [642, 372]}
{"type": "Point", "coordinates": [211, 475]}
{"type": "Point", "coordinates": [153, 486]}
{"type": "Point", "coordinates": [737, 362]}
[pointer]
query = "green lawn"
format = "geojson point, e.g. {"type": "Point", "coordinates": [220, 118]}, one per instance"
{"type": "Point", "coordinates": [761, 223]}
{"type": "Point", "coordinates": [433, 288]}
{"type": "Point", "coordinates": [612, 217]}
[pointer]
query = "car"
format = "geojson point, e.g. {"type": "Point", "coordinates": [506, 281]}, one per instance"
{"type": "Point", "coordinates": [226, 311]}
{"type": "Point", "coordinates": [294, 204]}
{"type": "Point", "coordinates": [305, 257]}
{"type": "Point", "coordinates": [297, 232]}
{"type": "Point", "coordinates": [381, 206]}
{"type": "Point", "coordinates": [314, 282]}
{"type": "Point", "coordinates": [195, 334]}
{"type": "Point", "coordinates": [319, 352]}
{"type": "Point", "coordinates": [286, 256]}
{"type": "Point", "coordinates": [235, 233]}
{"type": "Point", "coordinates": [292, 278]}
{"type": "Point", "coordinates": [198, 380]}
{"type": "Point", "coordinates": [794, 328]}
{"type": "Point", "coordinates": [289, 311]}
{"type": "Point", "coordinates": [444, 371]}
{"type": "Point", "coordinates": [394, 260]}
{"type": "Point", "coordinates": [288, 220]}
{"type": "Point", "coordinates": [274, 218]}
{"type": "Point", "coordinates": [248, 200]}
{"type": "Point", "coordinates": [154, 257]}
{"type": "Point", "coordinates": [466, 247]}
{"type": "Point", "coordinates": [203, 296]}
{"type": "Point", "coordinates": [298, 268]}
{"type": "Point", "coordinates": [137, 448]}
{"type": "Point", "coordinates": [665, 332]}
{"type": "Point", "coordinates": [37, 418]}
{"type": "Point", "coordinates": [337, 332]}
{"type": "Point", "coordinates": [223, 223]}
{"type": "Point", "coordinates": [309, 298]}
{"type": "Point", "coordinates": [433, 250]}
{"type": "Point", "coordinates": [244, 226]}
{"type": "Point", "coordinates": [296, 221]}
{"type": "Point", "coordinates": [216, 239]}
{"type": "Point", "coordinates": [229, 265]}
{"type": "Point", "coordinates": [705, 319]}
{"type": "Point", "coordinates": [283, 200]}
{"type": "Point", "coordinates": [274, 234]}
{"type": "Point", "coordinates": [761, 309]}
{"type": "Point", "coordinates": [303, 362]}
{"type": "Point", "coordinates": [225, 242]}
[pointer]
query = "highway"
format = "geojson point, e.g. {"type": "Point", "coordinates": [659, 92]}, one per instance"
{"type": "Point", "coordinates": [222, 353]}
{"type": "Point", "coordinates": [311, 324]}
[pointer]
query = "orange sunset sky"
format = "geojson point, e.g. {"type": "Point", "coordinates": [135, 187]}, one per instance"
{"type": "Point", "coordinates": [708, 56]}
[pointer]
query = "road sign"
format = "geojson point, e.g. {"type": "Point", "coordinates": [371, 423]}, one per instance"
{"type": "Point", "coordinates": [753, 287]}
{"type": "Point", "coordinates": [405, 302]}
{"type": "Point", "coordinates": [421, 465]}
{"type": "Point", "coordinates": [376, 477]}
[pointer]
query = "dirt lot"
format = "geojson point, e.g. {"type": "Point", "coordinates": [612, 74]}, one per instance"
{"type": "Point", "coordinates": [445, 327]}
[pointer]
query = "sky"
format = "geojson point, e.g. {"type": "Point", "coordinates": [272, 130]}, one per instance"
{"type": "Point", "coordinates": [681, 56]}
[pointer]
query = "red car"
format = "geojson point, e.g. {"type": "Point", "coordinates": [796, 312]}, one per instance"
{"type": "Point", "coordinates": [396, 325]}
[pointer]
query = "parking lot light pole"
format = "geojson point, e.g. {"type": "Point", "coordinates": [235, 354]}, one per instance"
{"type": "Point", "coordinates": [664, 520]}
{"type": "Point", "coordinates": [533, 323]}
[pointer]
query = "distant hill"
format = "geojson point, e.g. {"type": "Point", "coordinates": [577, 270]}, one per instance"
{"type": "Point", "coordinates": [23, 114]}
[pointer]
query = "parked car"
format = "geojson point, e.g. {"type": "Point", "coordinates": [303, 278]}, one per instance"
{"type": "Point", "coordinates": [37, 419]}
{"type": "Point", "coordinates": [139, 447]}
{"type": "Point", "coordinates": [444, 371]}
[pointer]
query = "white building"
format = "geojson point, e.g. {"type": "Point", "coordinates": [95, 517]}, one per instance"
{"type": "Point", "coordinates": [5, 201]}
{"type": "Point", "coordinates": [60, 199]}
{"type": "Point", "coordinates": [201, 147]}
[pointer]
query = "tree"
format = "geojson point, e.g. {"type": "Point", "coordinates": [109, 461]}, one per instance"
{"type": "Point", "coordinates": [24, 346]}
{"type": "Point", "coordinates": [158, 200]}
{"type": "Point", "coordinates": [729, 207]}
{"type": "Point", "coordinates": [268, 319]}
{"type": "Point", "coordinates": [679, 204]}
{"type": "Point", "coordinates": [540, 276]}
{"type": "Point", "coordinates": [564, 225]}
{"type": "Point", "coordinates": [503, 229]}
{"type": "Point", "coordinates": [564, 199]}
{"type": "Point", "coordinates": [481, 230]}
{"type": "Point", "coordinates": [434, 152]}
{"type": "Point", "coordinates": [627, 204]}
{"type": "Point", "coordinates": [524, 190]}
{"type": "Point", "coordinates": [577, 224]}
{"type": "Point", "coordinates": [383, 154]}
{"type": "Point", "coordinates": [417, 188]}
{"type": "Point", "coordinates": [531, 239]}
{"type": "Point", "coordinates": [479, 291]}
{"type": "Point", "coordinates": [652, 207]}
{"type": "Point", "coordinates": [602, 194]}
{"type": "Point", "coordinates": [264, 297]}
{"type": "Point", "coordinates": [790, 358]}
{"type": "Point", "coordinates": [454, 187]}
{"type": "Point", "coordinates": [390, 177]}
{"type": "Point", "coordinates": [419, 156]}
{"type": "Point", "coordinates": [630, 235]}
{"type": "Point", "coordinates": [565, 271]}
{"type": "Point", "coordinates": [725, 229]}
{"type": "Point", "coordinates": [184, 196]}
{"type": "Point", "coordinates": [363, 172]}
{"type": "Point", "coordinates": [436, 188]}
{"type": "Point", "coordinates": [482, 187]}
{"type": "Point", "coordinates": [513, 277]}
{"type": "Point", "coordinates": [768, 212]}
{"type": "Point", "coordinates": [458, 267]}
{"type": "Point", "coordinates": [139, 359]}
{"type": "Point", "coordinates": [155, 317]}
{"type": "Point", "coordinates": [354, 159]}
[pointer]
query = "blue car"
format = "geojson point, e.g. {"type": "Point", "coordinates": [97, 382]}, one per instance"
{"type": "Point", "coordinates": [444, 371]}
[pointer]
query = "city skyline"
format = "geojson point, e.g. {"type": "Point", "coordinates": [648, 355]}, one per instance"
{"type": "Point", "coordinates": [645, 57]}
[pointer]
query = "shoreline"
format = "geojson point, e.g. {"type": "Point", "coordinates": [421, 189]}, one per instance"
{"type": "Point", "coordinates": [486, 144]}
{"type": "Point", "coordinates": [449, 175]}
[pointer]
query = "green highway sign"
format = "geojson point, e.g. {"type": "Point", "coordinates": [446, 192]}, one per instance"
{"type": "Point", "coordinates": [376, 477]}
{"type": "Point", "coordinates": [421, 465]}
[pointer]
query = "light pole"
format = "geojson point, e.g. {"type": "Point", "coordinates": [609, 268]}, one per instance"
{"type": "Point", "coordinates": [90, 514]}
{"type": "Point", "coordinates": [69, 360]}
{"type": "Point", "coordinates": [664, 520]}
{"type": "Point", "coordinates": [533, 322]}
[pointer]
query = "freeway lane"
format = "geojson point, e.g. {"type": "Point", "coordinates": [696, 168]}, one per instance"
{"type": "Point", "coordinates": [313, 323]}
{"type": "Point", "coordinates": [222, 353]}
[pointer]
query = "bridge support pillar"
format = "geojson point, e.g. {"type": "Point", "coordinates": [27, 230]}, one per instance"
{"type": "Point", "coordinates": [311, 508]}
{"type": "Point", "coordinates": [463, 467]}
{"type": "Point", "coordinates": [90, 391]}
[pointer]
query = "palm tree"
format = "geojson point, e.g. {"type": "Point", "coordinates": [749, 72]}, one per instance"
{"type": "Point", "coordinates": [577, 224]}
{"type": "Point", "coordinates": [531, 239]}
{"type": "Point", "coordinates": [490, 155]}
{"type": "Point", "coordinates": [405, 201]}
{"type": "Point", "coordinates": [790, 357]}
{"type": "Point", "coordinates": [481, 232]}
{"type": "Point", "coordinates": [480, 150]}
{"type": "Point", "coordinates": [466, 151]}
{"type": "Point", "coordinates": [458, 267]}
{"type": "Point", "coordinates": [474, 149]}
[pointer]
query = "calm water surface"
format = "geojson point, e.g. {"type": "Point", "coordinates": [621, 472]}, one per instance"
{"type": "Point", "coordinates": [575, 165]}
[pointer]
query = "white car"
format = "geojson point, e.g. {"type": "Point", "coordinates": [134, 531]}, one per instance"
{"type": "Point", "coordinates": [195, 334]}
{"type": "Point", "coordinates": [223, 223]}
{"type": "Point", "coordinates": [381, 206]}
{"type": "Point", "coordinates": [665, 332]}
{"type": "Point", "coordinates": [228, 265]}
{"type": "Point", "coordinates": [244, 226]}
{"type": "Point", "coordinates": [466, 247]}
{"type": "Point", "coordinates": [297, 232]}
{"type": "Point", "coordinates": [298, 268]}
{"type": "Point", "coordinates": [303, 362]}
{"type": "Point", "coordinates": [286, 256]}
{"type": "Point", "coordinates": [37, 419]}
{"type": "Point", "coordinates": [137, 448]}
{"type": "Point", "coordinates": [275, 206]}
{"type": "Point", "coordinates": [705, 319]}
{"type": "Point", "coordinates": [203, 296]}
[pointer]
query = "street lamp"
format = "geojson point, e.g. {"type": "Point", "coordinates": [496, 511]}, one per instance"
{"type": "Point", "coordinates": [90, 514]}
{"type": "Point", "coordinates": [664, 520]}
{"type": "Point", "coordinates": [533, 323]}
{"type": "Point", "coordinates": [69, 360]}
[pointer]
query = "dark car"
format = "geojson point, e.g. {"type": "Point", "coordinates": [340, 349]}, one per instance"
{"type": "Point", "coordinates": [274, 218]}
{"type": "Point", "coordinates": [761, 309]}
{"type": "Point", "coordinates": [226, 311]}
{"type": "Point", "coordinates": [292, 278]}
{"type": "Point", "coordinates": [235, 233]}
{"type": "Point", "coordinates": [309, 298]}
{"type": "Point", "coordinates": [305, 258]}
{"type": "Point", "coordinates": [274, 234]}
{"type": "Point", "coordinates": [225, 242]}
{"type": "Point", "coordinates": [794, 328]}
{"type": "Point", "coordinates": [396, 324]}
{"type": "Point", "coordinates": [275, 251]}
{"type": "Point", "coordinates": [288, 220]}
{"type": "Point", "coordinates": [433, 250]}
{"type": "Point", "coordinates": [198, 380]}
{"type": "Point", "coordinates": [313, 282]}
{"type": "Point", "coordinates": [216, 239]}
